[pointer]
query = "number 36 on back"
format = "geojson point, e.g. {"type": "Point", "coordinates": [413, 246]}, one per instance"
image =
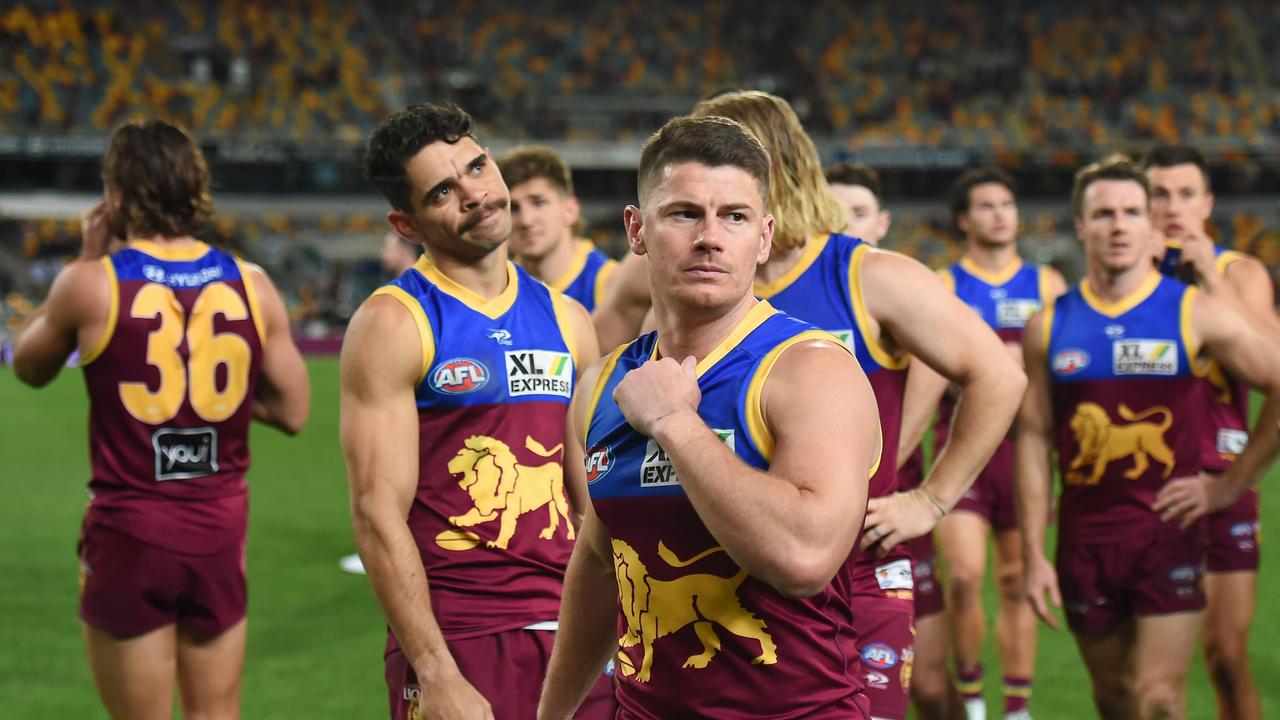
{"type": "Point", "coordinates": [206, 349]}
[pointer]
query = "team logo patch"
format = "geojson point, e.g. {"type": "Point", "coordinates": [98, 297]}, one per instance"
{"type": "Point", "coordinates": [182, 454]}
{"type": "Point", "coordinates": [876, 680]}
{"type": "Point", "coordinates": [1016, 312]}
{"type": "Point", "coordinates": [1232, 442]}
{"type": "Point", "coordinates": [459, 376]}
{"type": "Point", "coordinates": [657, 470]}
{"type": "Point", "coordinates": [1114, 332]}
{"type": "Point", "coordinates": [539, 372]}
{"type": "Point", "coordinates": [880, 656]}
{"type": "Point", "coordinates": [1144, 357]}
{"type": "Point", "coordinates": [1070, 361]}
{"type": "Point", "coordinates": [501, 336]}
{"type": "Point", "coordinates": [599, 461]}
{"type": "Point", "coordinates": [895, 575]}
{"type": "Point", "coordinates": [1184, 574]}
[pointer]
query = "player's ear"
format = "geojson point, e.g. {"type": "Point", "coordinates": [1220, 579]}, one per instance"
{"type": "Point", "coordinates": [766, 240]}
{"type": "Point", "coordinates": [404, 226]}
{"type": "Point", "coordinates": [633, 219]}
{"type": "Point", "coordinates": [572, 209]}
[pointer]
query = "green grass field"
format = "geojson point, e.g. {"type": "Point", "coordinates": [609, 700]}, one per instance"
{"type": "Point", "coordinates": [316, 634]}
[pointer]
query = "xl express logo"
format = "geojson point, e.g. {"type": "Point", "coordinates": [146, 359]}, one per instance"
{"type": "Point", "coordinates": [539, 372]}
{"type": "Point", "coordinates": [1144, 357]}
{"type": "Point", "coordinates": [657, 470]}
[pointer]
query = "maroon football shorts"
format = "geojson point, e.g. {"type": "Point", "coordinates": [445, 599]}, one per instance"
{"type": "Point", "coordinates": [883, 617]}
{"type": "Point", "coordinates": [1235, 536]}
{"type": "Point", "coordinates": [928, 586]}
{"type": "Point", "coordinates": [1150, 573]}
{"type": "Point", "coordinates": [130, 587]}
{"type": "Point", "coordinates": [507, 668]}
{"type": "Point", "coordinates": [992, 494]}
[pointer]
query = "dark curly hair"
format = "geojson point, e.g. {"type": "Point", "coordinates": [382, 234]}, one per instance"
{"type": "Point", "coordinates": [160, 179]}
{"type": "Point", "coordinates": [403, 135]}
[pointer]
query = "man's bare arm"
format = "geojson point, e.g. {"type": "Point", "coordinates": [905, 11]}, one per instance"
{"type": "Point", "coordinates": [282, 397]}
{"type": "Point", "coordinates": [381, 364]}
{"type": "Point", "coordinates": [586, 353]}
{"type": "Point", "coordinates": [951, 339]}
{"type": "Point", "coordinates": [925, 389]}
{"type": "Point", "coordinates": [1033, 474]}
{"type": "Point", "coordinates": [618, 318]}
{"type": "Point", "coordinates": [790, 527]}
{"type": "Point", "coordinates": [75, 314]}
{"type": "Point", "coordinates": [589, 606]}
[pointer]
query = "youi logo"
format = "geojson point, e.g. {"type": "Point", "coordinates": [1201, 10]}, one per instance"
{"type": "Point", "coordinates": [459, 376]}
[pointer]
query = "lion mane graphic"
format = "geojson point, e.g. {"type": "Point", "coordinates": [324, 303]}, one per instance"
{"type": "Point", "coordinates": [502, 489]}
{"type": "Point", "coordinates": [657, 608]}
{"type": "Point", "coordinates": [1102, 442]}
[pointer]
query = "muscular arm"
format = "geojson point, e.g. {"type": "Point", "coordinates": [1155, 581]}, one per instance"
{"type": "Point", "coordinates": [588, 608]}
{"type": "Point", "coordinates": [952, 340]}
{"type": "Point", "coordinates": [585, 354]}
{"type": "Point", "coordinates": [380, 365]}
{"type": "Point", "coordinates": [1032, 476]}
{"type": "Point", "coordinates": [790, 527]}
{"type": "Point", "coordinates": [282, 398]}
{"type": "Point", "coordinates": [619, 316]}
{"type": "Point", "coordinates": [75, 313]}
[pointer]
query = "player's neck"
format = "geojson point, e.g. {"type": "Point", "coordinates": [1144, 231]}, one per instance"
{"type": "Point", "coordinates": [485, 276]}
{"type": "Point", "coordinates": [1116, 285]}
{"type": "Point", "coordinates": [779, 262]}
{"type": "Point", "coordinates": [990, 257]}
{"type": "Point", "coordinates": [554, 264]}
{"type": "Point", "coordinates": [698, 332]}
{"type": "Point", "coordinates": [163, 239]}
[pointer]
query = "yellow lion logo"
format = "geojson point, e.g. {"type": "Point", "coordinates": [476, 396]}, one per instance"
{"type": "Point", "coordinates": [502, 489]}
{"type": "Point", "coordinates": [1102, 442]}
{"type": "Point", "coordinates": [656, 608]}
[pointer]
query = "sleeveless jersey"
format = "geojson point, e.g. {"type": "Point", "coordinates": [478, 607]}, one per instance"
{"type": "Point", "coordinates": [1004, 300]}
{"type": "Point", "coordinates": [1128, 405]}
{"type": "Point", "coordinates": [587, 276]}
{"type": "Point", "coordinates": [1227, 430]}
{"type": "Point", "coordinates": [490, 517]}
{"type": "Point", "coordinates": [699, 637]}
{"type": "Point", "coordinates": [170, 389]}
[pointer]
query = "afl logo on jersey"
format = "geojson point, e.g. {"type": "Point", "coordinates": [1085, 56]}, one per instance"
{"type": "Point", "coordinates": [598, 463]}
{"type": "Point", "coordinates": [459, 376]}
{"type": "Point", "coordinates": [1070, 361]}
{"type": "Point", "coordinates": [879, 655]}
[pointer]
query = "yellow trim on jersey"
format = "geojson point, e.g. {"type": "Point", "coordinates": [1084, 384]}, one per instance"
{"type": "Point", "coordinates": [878, 352]}
{"type": "Point", "coordinates": [947, 279]}
{"type": "Point", "coordinates": [564, 320]}
{"type": "Point", "coordinates": [1125, 304]}
{"type": "Point", "coordinates": [995, 279]}
{"type": "Point", "coordinates": [1046, 318]}
{"type": "Point", "coordinates": [602, 280]}
{"type": "Point", "coordinates": [113, 312]}
{"type": "Point", "coordinates": [756, 427]}
{"type": "Point", "coordinates": [492, 309]}
{"type": "Point", "coordinates": [606, 371]}
{"type": "Point", "coordinates": [251, 292]}
{"type": "Point", "coordinates": [581, 251]}
{"type": "Point", "coordinates": [755, 316]}
{"type": "Point", "coordinates": [1228, 258]}
{"type": "Point", "coordinates": [419, 319]}
{"type": "Point", "coordinates": [1184, 322]}
{"type": "Point", "coordinates": [811, 252]}
{"type": "Point", "coordinates": [1042, 284]}
{"type": "Point", "coordinates": [169, 251]}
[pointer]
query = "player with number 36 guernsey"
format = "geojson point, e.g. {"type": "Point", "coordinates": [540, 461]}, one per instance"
{"type": "Point", "coordinates": [183, 346]}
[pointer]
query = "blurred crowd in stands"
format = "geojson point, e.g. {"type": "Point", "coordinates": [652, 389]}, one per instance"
{"type": "Point", "coordinates": [999, 75]}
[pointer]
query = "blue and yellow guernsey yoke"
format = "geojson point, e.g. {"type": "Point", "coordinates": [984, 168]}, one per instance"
{"type": "Point", "coordinates": [1227, 432]}
{"type": "Point", "coordinates": [588, 275]}
{"type": "Point", "coordinates": [1128, 404]}
{"type": "Point", "coordinates": [700, 637]}
{"type": "Point", "coordinates": [1005, 300]}
{"type": "Point", "coordinates": [490, 517]}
